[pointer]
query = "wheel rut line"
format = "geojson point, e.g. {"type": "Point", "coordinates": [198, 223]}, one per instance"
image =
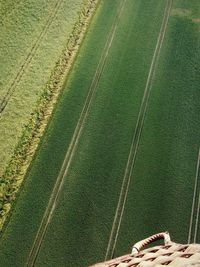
{"type": "Point", "coordinates": [73, 144]}
{"type": "Point", "coordinates": [197, 220]}
{"type": "Point", "coordinates": [28, 58]}
{"type": "Point", "coordinates": [136, 138]}
{"type": "Point", "coordinates": [194, 200]}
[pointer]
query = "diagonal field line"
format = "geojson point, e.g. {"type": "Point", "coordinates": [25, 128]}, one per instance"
{"type": "Point", "coordinates": [73, 144]}
{"type": "Point", "coordinates": [28, 59]}
{"type": "Point", "coordinates": [194, 198]}
{"type": "Point", "coordinates": [136, 138]}
{"type": "Point", "coordinates": [197, 220]}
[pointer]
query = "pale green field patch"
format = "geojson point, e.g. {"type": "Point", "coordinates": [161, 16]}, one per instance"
{"type": "Point", "coordinates": [196, 20]}
{"type": "Point", "coordinates": [181, 12]}
{"type": "Point", "coordinates": [33, 36]}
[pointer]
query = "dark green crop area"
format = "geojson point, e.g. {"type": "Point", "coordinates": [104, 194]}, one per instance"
{"type": "Point", "coordinates": [162, 181]}
{"type": "Point", "coordinates": [162, 185]}
{"type": "Point", "coordinates": [79, 231]}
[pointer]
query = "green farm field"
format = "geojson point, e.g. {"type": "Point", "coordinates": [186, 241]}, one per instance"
{"type": "Point", "coordinates": [162, 184]}
{"type": "Point", "coordinates": [32, 203]}
{"type": "Point", "coordinates": [126, 121]}
{"type": "Point", "coordinates": [29, 93]}
{"type": "Point", "coordinates": [33, 35]}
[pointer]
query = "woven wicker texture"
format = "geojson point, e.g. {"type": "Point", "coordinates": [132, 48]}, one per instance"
{"type": "Point", "coordinates": [172, 254]}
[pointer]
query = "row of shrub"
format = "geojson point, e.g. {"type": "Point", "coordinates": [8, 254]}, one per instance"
{"type": "Point", "coordinates": [15, 171]}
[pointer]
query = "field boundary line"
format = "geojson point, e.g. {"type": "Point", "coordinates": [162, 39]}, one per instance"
{"type": "Point", "coordinates": [194, 197]}
{"type": "Point", "coordinates": [136, 138]}
{"type": "Point", "coordinates": [73, 144]}
{"type": "Point", "coordinates": [28, 58]}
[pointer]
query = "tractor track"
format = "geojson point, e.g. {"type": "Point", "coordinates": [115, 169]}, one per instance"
{"type": "Point", "coordinates": [136, 138]}
{"type": "Point", "coordinates": [197, 221]}
{"type": "Point", "coordinates": [74, 141]}
{"type": "Point", "coordinates": [28, 59]}
{"type": "Point", "coordinates": [193, 203]}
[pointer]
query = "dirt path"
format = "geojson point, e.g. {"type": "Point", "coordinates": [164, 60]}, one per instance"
{"type": "Point", "coordinates": [73, 144]}
{"type": "Point", "coordinates": [28, 58]}
{"type": "Point", "coordinates": [136, 138]}
{"type": "Point", "coordinates": [193, 203]}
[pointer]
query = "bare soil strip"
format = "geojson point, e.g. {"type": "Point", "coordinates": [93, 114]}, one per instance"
{"type": "Point", "coordinates": [136, 138]}
{"type": "Point", "coordinates": [73, 144]}
{"type": "Point", "coordinates": [28, 59]}
{"type": "Point", "coordinates": [194, 198]}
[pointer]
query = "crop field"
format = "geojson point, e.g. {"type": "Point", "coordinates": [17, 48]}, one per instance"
{"type": "Point", "coordinates": [120, 158]}
{"type": "Point", "coordinates": [162, 184]}
{"type": "Point", "coordinates": [33, 35]}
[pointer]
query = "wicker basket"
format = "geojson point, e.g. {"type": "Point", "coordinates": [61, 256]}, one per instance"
{"type": "Point", "coordinates": [170, 254]}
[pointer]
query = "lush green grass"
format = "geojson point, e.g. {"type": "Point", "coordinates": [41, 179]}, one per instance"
{"type": "Point", "coordinates": [79, 231]}
{"type": "Point", "coordinates": [32, 33]}
{"type": "Point", "coordinates": [161, 190]}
